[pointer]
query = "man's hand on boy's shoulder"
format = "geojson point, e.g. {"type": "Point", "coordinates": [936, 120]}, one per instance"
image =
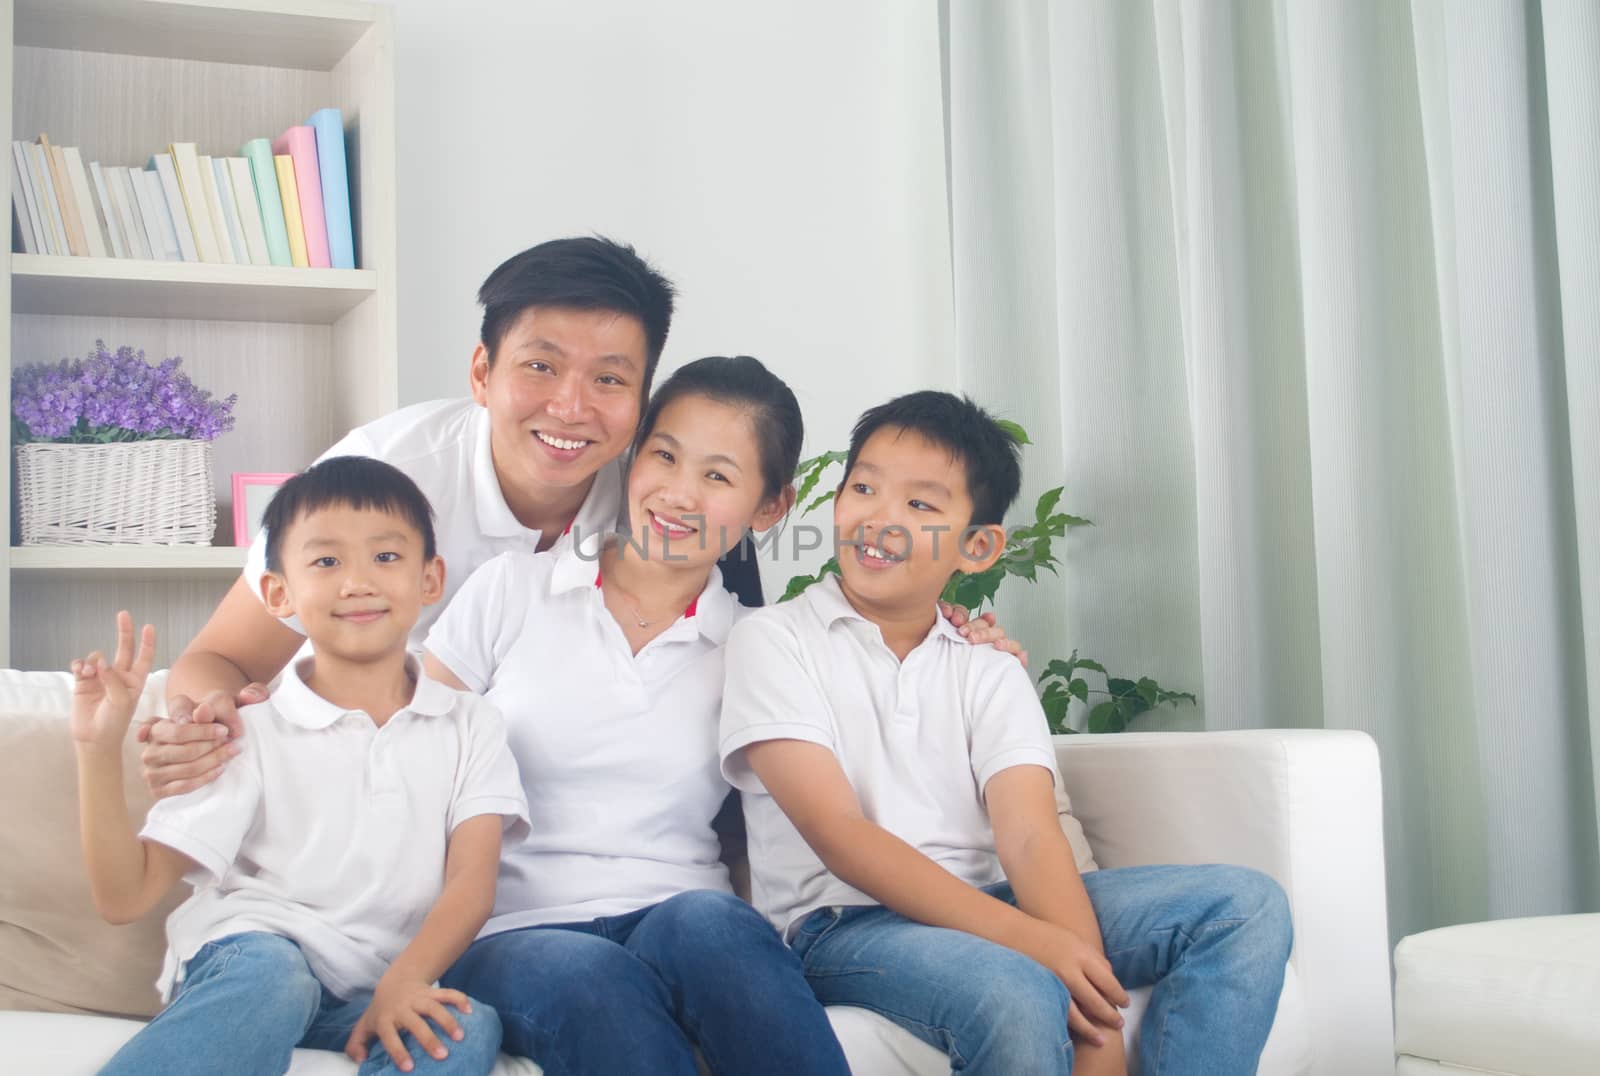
{"type": "Point", "coordinates": [190, 746]}
{"type": "Point", "coordinates": [401, 1003]}
{"type": "Point", "coordinates": [982, 630]}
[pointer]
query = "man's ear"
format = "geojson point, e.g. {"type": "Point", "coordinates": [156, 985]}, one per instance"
{"type": "Point", "coordinates": [478, 375]}
{"type": "Point", "coordinates": [275, 595]}
{"type": "Point", "coordinates": [773, 510]}
{"type": "Point", "coordinates": [433, 581]}
{"type": "Point", "coordinates": [981, 547]}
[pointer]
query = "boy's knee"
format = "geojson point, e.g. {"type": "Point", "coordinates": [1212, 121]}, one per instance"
{"type": "Point", "coordinates": [480, 1034]}
{"type": "Point", "coordinates": [702, 911]}
{"type": "Point", "coordinates": [1251, 897]}
{"type": "Point", "coordinates": [1021, 1011]}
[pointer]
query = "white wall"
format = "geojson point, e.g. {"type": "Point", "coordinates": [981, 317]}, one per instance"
{"type": "Point", "coordinates": [783, 163]}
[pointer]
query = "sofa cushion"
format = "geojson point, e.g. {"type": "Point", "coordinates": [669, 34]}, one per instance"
{"type": "Point", "coordinates": [56, 953]}
{"type": "Point", "coordinates": [1512, 996]}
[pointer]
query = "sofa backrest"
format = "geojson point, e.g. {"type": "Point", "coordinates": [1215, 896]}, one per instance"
{"type": "Point", "coordinates": [56, 953]}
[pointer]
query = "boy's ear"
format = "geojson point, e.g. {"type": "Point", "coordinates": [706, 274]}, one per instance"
{"type": "Point", "coordinates": [773, 510]}
{"type": "Point", "coordinates": [275, 595]}
{"type": "Point", "coordinates": [433, 581]}
{"type": "Point", "coordinates": [981, 547]}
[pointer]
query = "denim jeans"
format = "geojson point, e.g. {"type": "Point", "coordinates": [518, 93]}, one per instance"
{"type": "Point", "coordinates": [638, 993]}
{"type": "Point", "coordinates": [247, 1000]}
{"type": "Point", "coordinates": [1212, 940]}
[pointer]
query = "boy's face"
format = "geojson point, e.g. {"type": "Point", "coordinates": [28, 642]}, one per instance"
{"type": "Point", "coordinates": [356, 577]}
{"type": "Point", "coordinates": [563, 396]}
{"type": "Point", "coordinates": [903, 515]}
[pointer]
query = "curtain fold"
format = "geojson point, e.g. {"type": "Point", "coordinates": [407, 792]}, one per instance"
{"type": "Point", "coordinates": [1298, 300]}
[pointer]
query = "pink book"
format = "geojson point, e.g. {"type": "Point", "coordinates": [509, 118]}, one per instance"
{"type": "Point", "coordinates": [300, 143]}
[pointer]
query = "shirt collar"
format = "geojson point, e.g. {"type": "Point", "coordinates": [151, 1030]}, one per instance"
{"type": "Point", "coordinates": [828, 599]}
{"type": "Point", "coordinates": [299, 705]}
{"type": "Point", "coordinates": [598, 514]}
{"type": "Point", "coordinates": [578, 567]}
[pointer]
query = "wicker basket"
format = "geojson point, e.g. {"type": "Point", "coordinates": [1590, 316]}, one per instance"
{"type": "Point", "coordinates": [139, 492]}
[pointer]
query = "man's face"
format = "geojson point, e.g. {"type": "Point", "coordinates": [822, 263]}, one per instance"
{"type": "Point", "coordinates": [356, 577]}
{"type": "Point", "coordinates": [563, 396]}
{"type": "Point", "coordinates": [901, 513]}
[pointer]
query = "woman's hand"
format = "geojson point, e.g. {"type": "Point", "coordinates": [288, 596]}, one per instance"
{"type": "Point", "coordinates": [983, 629]}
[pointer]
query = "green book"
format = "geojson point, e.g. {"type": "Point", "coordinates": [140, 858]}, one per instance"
{"type": "Point", "coordinates": [258, 151]}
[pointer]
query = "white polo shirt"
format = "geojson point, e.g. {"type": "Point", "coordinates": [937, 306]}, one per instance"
{"type": "Point", "coordinates": [618, 751]}
{"type": "Point", "coordinates": [918, 740]}
{"type": "Point", "coordinates": [332, 831]}
{"type": "Point", "coordinates": [443, 445]}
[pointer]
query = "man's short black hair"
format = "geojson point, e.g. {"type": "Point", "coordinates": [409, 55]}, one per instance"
{"type": "Point", "coordinates": [989, 454]}
{"type": "Point", "coordinates": [346, 481]}
{"type": "Point", "coordinates": [584, 273]}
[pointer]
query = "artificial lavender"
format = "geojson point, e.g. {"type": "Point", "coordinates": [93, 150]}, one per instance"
{"type": "Point", "coordinates": [113, 397]}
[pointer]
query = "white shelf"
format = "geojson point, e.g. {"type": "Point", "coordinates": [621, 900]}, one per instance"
{"type": "Point", "coordinates": [134, 287]}
{"type": "Point", "coordinates": [81, 562]}
{"type": "Point", "coordinates": [311, 35]}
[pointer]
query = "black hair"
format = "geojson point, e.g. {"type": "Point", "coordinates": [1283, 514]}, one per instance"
{"type": "Point", "coordinates": [743, 382]}
{"type": "Point", "coordinates": [970, 434]}
{"type": "Point", "coordinates": [349, 481]}
{"type": "Point", "coordinates": [585, 273]}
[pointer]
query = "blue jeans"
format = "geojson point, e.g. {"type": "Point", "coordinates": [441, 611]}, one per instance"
{"type": "Point", "coordinates": [638, 993]}
{"type": "Point", "coordinates": [247, 1000]}
{"type": "Point", "coordinates": [1213, 941]}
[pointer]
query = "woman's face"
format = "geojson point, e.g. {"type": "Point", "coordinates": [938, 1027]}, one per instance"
{"type": "Point", "coordinates": [563, 397]}
{"type": "Point", "coordinates": [696, 484]}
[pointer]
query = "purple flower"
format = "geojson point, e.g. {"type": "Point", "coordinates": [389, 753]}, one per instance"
{"type": "Point", "coordinates": [113, 397]}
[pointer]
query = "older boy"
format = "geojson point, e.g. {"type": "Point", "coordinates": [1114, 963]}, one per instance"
{"type": "Point", "coordinates": [899, 796]}
{"type": "Point", "coordinates": [349, 855]}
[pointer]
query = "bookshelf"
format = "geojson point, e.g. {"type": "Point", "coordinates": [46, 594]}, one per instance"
{"type": "Point", "coordinates": [310, 352]}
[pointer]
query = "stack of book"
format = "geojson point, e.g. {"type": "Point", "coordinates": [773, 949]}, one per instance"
{"type": "Point", "coordinates": [283, 202]}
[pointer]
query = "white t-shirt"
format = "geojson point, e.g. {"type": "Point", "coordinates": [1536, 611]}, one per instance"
{"type": "Point", "coordinates": [332, 831]}
{"type": "Point", "coordinates": [618, 751]}
{"type": "Point", "coordinates": [918, 740]}
{"type": "Point", "coordinates": [443, 445]}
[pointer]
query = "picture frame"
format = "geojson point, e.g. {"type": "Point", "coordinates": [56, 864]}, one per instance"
{"type": "Point", "coordinates": [251, 493]}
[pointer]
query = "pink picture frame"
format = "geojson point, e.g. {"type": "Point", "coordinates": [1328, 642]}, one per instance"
{"type": "Point", "coordinates": [251, 492]}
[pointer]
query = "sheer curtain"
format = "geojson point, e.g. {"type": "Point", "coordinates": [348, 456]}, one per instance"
{"type": "Point", "coordinates": [1301, 302]}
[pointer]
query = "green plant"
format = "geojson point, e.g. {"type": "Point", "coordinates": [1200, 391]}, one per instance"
{"type": "Point", "coordinates": [1029, 548]}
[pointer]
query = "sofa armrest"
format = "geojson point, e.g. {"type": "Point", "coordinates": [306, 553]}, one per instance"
{"type": "Point", "coordinates": [1303, 806]}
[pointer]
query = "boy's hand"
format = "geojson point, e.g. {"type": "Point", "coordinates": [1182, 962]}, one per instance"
{"type": "Point", "coordinates": [104, 696]}
{"type": "Point", "coordinates": [400, 1003]}
{"type": "Point", "coordinates": [1096, 994]}
{"type": "Point", "coordinates": [981, 630]}
{"type": "Point", "coordinates": [189, 747]}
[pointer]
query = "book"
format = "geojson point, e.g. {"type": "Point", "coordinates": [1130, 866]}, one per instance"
{"type": "Point", "coordinates": [19, 203]}
{"type": "Point", "coordinates": [213, 204]}
{"type": "Point", "coordinates": [22, 182]}
{"type": "Point", "coordinates": [157, 219]}
{"type": "Point", "coordinates": [300, 144]}
{"type": "Point", "coordinates": [45, 191]}
{"type": "Point", "coordinates": [177, 213]}
{"type": "Point", "coordinates": [77, 245]}
{"type": "Point", "coordinates": [191, 201]}
{"type": "Point", "coordinates": [222, 188]}
{"type": "Point", "coordinates": [108, 215]}
{"type": "Point", "coordinates": [258, 151]}
{"type": "Point", "coordinates": [284, 165]}
{"type": "Point", "coordinates": [328, 123]}
{"type": "Point", "coordinates": [128, 210]}
{"type": "Point", "coordinates": [94, 236]}
{"type": "Point", "coordinates": [249, 210]}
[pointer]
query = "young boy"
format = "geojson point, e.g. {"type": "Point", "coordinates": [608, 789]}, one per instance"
{"type": "Point", "coordinates": [899, 795]}
{"type": "Point", "coordinates": [349, 855]}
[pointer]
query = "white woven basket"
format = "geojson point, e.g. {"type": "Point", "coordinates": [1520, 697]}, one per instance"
{"type": "Point", "coordinates": [139, 492]}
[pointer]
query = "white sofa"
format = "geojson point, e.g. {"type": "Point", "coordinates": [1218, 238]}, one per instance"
{"type": "Point", "coordinates": [1302, 806]}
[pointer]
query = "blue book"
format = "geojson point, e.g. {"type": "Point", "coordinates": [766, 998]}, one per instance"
{"type": "Point", "coordinates": [329, 125]}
